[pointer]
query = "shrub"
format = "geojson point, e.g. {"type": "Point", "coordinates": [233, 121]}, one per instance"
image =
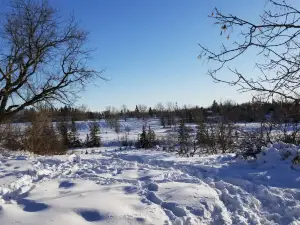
{"type": "Point", "coordinates": [147, 139]}
{"type": "Point", "coordinates": [94, 137]}
{"type": "Point", "coordinates": [184, 139]}
{"type": "Point", "coordinates": [11, 137]}
{"type": "Point", "coordinates": [124, 140]}
{"type": "Point", "coordinates": [41, 138]}
{"type": "Point", "coordinates": [215, 138]}
{"type": "Point", "coordinates": [73, 138]}
{"type": "Point", "coordinates": [252, 142]}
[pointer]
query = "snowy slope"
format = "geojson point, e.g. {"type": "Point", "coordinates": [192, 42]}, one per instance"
{"type": "Point", "coordinates": [149, 187]}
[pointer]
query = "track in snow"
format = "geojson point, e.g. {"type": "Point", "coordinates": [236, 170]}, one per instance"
{"type": "Point", "coordinates": [141, 188]}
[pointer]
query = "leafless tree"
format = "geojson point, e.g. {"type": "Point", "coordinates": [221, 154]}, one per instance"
{"type": "Point", "coordinates": [124, 111]}
{"type": "Point", "coordinates": [124, 108]}
{"type": "Point", "coordinates": [159, 107]}
{"type": "Point", "coordinates": [112, 116]}
{"type": "Point", "coordinates": [142, 108]}
{"type": "Point", "coordinates": [275, 40]}
{"type": "Point", "coordinates": [170, 106]}
{"type": "Point", "coordinates": [43, 58]}
{"type": "Point", "coordinates": [114, 111]}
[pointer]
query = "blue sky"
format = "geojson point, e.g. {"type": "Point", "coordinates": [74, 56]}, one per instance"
{"type": "Point", "coordinates": [149, 49]}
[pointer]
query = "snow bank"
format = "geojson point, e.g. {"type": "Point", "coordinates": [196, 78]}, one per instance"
{"type": "Point", "coordinates": [280, 154]}
{"type": "Point", "coordinates": [261, 191]}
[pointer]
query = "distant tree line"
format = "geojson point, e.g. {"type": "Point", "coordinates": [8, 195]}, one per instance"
{"type": "Point", "coordinates": [170, 114]}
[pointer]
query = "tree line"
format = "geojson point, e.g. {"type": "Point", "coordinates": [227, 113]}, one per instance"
{"type": "Point", "coordinates": [252, 111]}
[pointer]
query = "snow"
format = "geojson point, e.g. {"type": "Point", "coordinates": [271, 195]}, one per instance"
{"type": "Point", "coordinates": [149, 187]}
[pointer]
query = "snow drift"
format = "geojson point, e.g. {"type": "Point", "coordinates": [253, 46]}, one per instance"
{"type": "Point", "coordinates": [150, 187]}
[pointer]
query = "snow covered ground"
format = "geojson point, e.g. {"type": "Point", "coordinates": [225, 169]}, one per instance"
{"type": "Point", "coordinates": [115, 186]}
{"type": "Point", "coordinates": [132, 127]}
{"type": "Point", "coordinates": [149, 187]}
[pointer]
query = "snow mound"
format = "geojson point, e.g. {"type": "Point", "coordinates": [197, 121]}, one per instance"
{"type": "Point", "coordinates": [280, 154]}
{"type": "Point", "coordinates": [75, 158]}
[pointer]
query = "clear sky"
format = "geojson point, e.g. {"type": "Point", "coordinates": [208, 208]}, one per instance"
{"type": "Point", "coordinates": [149, 49]}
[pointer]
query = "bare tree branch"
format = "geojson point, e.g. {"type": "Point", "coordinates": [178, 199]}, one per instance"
{"type": "Point", "coordinates": [43, 59]}
{"type": "Point", "coordinates": [275, 39]}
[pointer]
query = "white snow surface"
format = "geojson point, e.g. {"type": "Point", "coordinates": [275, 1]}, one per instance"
{"type": "Point", "coordinates": [149, 187]}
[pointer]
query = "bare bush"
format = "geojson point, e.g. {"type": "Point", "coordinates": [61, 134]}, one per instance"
{"type": "Point", "coordinates": [170, 142]}
{"type": "Point", "coordinates": [125, 141]}
{"type": "Point", "coordinates": [11, 136]}
{"type": "Point", "coordinates": [290, 133]}
{"type": "Point", "coordinates": [252, 141]}
{"type": "Point", "coordinates": [213, 138]}
{"type": "Point", "coordinates": [41, 137]}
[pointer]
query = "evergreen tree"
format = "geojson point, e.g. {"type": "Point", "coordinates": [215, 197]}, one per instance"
{"type": "Point", "coordinates": [87, 141]}
{"type": "Point", "coordinates": [143, 140]}
{"type": "Point", "coordinates": [215, 107]}
{"type": "Point", "coordinates": [137, 112]}
{"type": "Point", "coordinates": [150, 112]}
{"type": "Point", "coordinates": [151, 138]}
{"type": "Point", "coordinates": [95, 140]}
{"type": "Point", "coordinates": [74, 141]}
{"type": "Point", "coordinates": [137, 109]}
{"type": "Point", "coordinates": [190, 118]}
{"type": "Point", "coordinates": [163, 121]}
{"type": "Point", "coordinates": [183, 138]}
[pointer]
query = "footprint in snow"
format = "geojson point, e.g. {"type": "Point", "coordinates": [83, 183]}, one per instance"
{"type": "Point", "coordinates": [195, 211]}
{"type": "Point", "coordinates": [130, 189]}
{"type": "Point", "coordinates": [91, 215]}
{"type": "Point", "coordinates": [176, 210]}
{"type": "Point", "coordinates": [66, 184]}
{"type": "Point", "coordinates": [152, 187]}
{"type": "Point", "coordinates": [32, 206]}
{"type": "Point", "coordinates": [173, 207]}
{"type": "Point", "coordinates": [140, 219]}
{"type": "Point", "coordinates": [151, 196]}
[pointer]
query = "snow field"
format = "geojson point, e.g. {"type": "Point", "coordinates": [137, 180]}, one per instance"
{"type": "Point", "coordinates": [149, 186]}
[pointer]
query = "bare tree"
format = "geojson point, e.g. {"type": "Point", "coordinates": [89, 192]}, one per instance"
{"type": "Point", "coordinates": [142, 110]}
{"type": "Point", "coordinates": [114, 111]}
{"type": "Point", "coordinates": [275, 40]}
{"type": "Point", "coordinates": [124, 108]}
{"type": "Point", "coordinates": [170, 106]}
{"type": "Point", "coordinates": [159, 107]}
{"type": "Point", "coordinates": [42, 58]}
{"type": "Point", "coordinates": [124, 111]}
